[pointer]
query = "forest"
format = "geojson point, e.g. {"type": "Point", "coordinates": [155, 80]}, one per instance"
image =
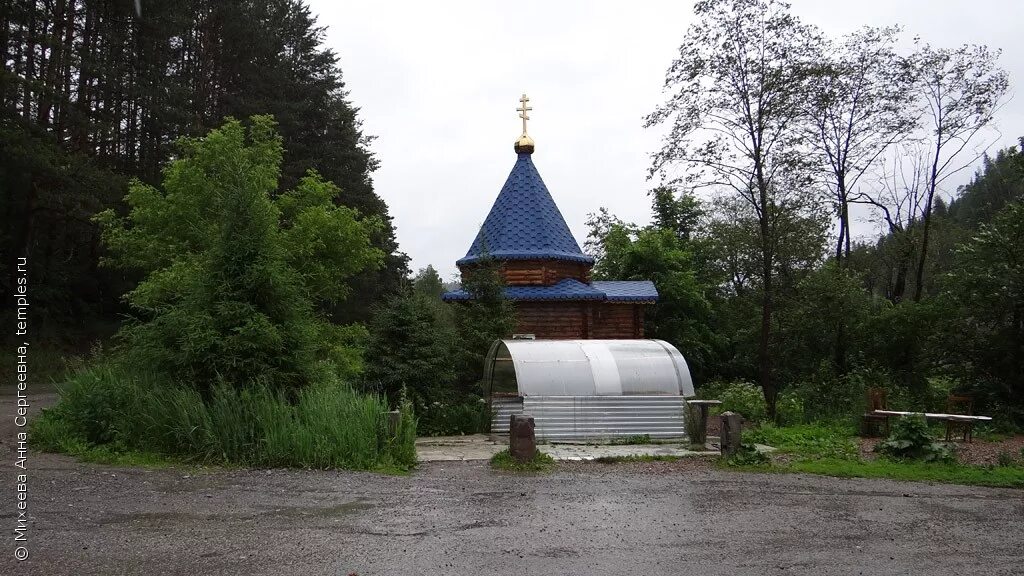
{"type": "Point", "coordinates": [785, 132]}
{"type": "Point", "coordinates": [193, 192]}
{"type": "Point", "coordinates": [95, 95]}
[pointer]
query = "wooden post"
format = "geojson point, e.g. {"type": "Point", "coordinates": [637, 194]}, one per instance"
{"type": "Point", "coordinates": [732, 433]}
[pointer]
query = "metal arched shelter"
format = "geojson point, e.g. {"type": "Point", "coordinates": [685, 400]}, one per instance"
{"type": "Point", "coordinates": [589, 389]}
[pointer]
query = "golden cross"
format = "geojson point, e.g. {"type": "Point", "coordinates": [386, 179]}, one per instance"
{"type": "Point", "coordinates": [524, 111]}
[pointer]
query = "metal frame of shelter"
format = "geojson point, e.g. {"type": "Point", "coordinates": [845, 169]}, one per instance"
{"type": "Point", "coordinates": [589, 389]}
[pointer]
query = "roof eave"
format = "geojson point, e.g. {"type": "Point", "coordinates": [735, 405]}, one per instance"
{"type": "Point", "coordinates": [474, 258]}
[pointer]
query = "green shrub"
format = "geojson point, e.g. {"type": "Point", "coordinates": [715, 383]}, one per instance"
{"type": "Point", "coordinates": [910, 440]}
{"type": "Point", "coordinates": [827, 397]}
{"type": "Point", "coordinates": [98, 406]}
{"type": "Point", "coordinates": [236, 277]}
{"type": "Point", "coordinates": [748, 399]}
{"type": "Point", "coordinates": [1005, 459]}
{"type": "Point", "coordinates": [789, 408]}
{"type": "Point", "coordinates": [469, 415]}
{"type": "Point", "coordinates": [934, 396]}
{"type": "Point", "coordinates": [738, 396]}
{"type": "Point", "coordinates": [748, 455]}
{"type": "Point", "coordinates": [1006, 418]}
{"type": "Point", "coordinates": [51, 433]}
{"type": "Point", "coordinates": [402, 444]}
{"type": "Point", "coordinates": [411, 347]}
{"type": "Point", "coordinates": [327, 425]}
{"type": "Point", "coordinates": [990, 433]}
{"type": "Point", "coordinates": [810, 440]}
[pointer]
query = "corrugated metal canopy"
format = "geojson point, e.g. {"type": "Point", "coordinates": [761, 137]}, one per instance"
{"type": "Point", "coordinates": [588, 368]}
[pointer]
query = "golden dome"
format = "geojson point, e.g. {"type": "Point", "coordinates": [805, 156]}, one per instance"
{"type": "Point", "coordinates": [524, 145]}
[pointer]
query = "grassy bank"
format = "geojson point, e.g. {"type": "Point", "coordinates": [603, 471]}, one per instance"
{"type": "Point", "coordinates": [832, 450]}
{"type": "Point", "coordinates": [807, 440]}
{"type": "Point", "coordinates": [1000, 476]}
{"type": "Point", "coordinates": [111, 414]}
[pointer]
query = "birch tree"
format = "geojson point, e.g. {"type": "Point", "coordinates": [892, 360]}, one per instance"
{"type": "Point", "coordinates": [733, 114]}
{"type": "Point", "coordinates": [960, 91]}
{"type": "Point", "coordinates": [858, 106]}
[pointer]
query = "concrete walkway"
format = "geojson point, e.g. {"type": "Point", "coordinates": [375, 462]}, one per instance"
{"type": "Point", "coordinates": [481, 447]}
{"type": "Point", "coordinates": [457, 448]}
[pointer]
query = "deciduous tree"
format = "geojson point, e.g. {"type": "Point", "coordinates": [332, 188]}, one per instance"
{"type": "Point", "coordinates": [858, 106]}
{"type": "Point", "coordinates": [235, 282]}
{"type": "Point", "coordinates": [736, 100]}
{"type": "Point", "coordinates": [960, 90]}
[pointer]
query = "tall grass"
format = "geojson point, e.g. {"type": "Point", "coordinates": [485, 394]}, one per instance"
{"type": "Point", "coordinates": [325, 426]}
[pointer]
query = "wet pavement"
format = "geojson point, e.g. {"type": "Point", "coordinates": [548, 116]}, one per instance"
{"type": "Point", "coordinates": [464, 518]}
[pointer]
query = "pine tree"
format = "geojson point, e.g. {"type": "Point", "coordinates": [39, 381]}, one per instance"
{"type": "Point", "coordinates": [234, 282]}
{"type": "Point", "coordinates": [411, 349]}
{"type": "Point", "coordinates": [95, 94]}
{"type": "Point", "coordinates": [485, 318]}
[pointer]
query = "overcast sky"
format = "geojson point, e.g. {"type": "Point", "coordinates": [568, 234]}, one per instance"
{"type": "Point", "coordinates": [438, 83]}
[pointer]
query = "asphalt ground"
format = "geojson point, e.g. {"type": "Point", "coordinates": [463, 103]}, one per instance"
{"type": "Point", "coordinates": [684, 517]}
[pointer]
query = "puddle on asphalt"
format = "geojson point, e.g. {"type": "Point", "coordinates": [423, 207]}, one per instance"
{"type": "Point", "coordinates": [343, 509]}
{"type": "Point", "coordinates": [155, 518]}
{"type": "Point", "coordinates": [173, 516]}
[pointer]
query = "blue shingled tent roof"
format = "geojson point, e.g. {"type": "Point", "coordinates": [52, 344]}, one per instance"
{"type": "Point", "coordinates": [570, 289]}
{"type": "Point", "coordinates": [627, 290]}
{"type": "Point", "coordinates": [524, 222]}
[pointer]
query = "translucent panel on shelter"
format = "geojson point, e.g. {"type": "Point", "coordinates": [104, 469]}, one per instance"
{"type": "Point", "coordinates": [537, 368]}
{"type": "Point", "coordinates": [502, 372]}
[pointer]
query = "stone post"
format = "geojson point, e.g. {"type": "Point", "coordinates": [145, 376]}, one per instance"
{"type": "Point", "coordinates": [732, 433]}
{"type": "Point", "coordinates": [522, 440]}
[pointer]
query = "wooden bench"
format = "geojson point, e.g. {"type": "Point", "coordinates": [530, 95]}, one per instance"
{"type": "Point", "coordinates": [963, 419]}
